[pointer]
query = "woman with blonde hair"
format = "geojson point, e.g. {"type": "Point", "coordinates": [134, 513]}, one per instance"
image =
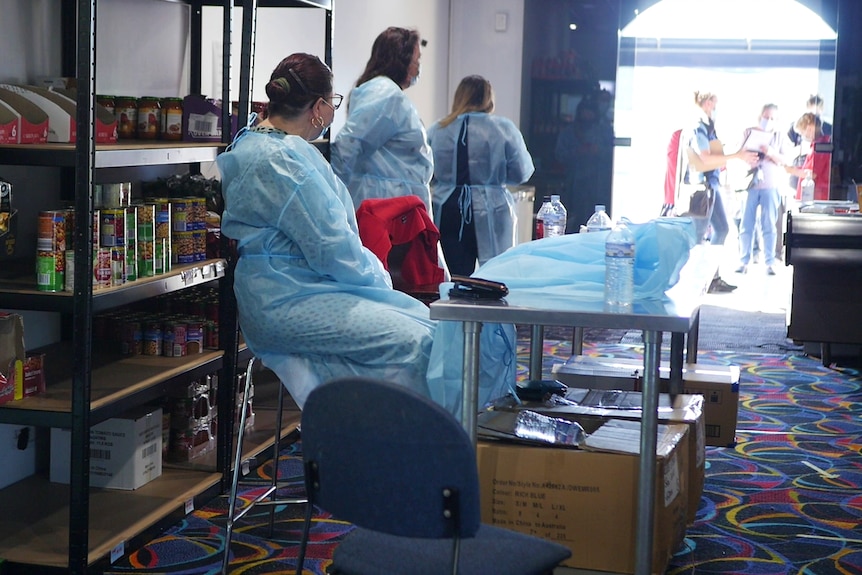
{"type": "Point", "coordinates": [476, 155]}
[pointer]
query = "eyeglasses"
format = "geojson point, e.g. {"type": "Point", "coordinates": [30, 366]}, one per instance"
{"type": "Point", "coordinates": [336, 101]}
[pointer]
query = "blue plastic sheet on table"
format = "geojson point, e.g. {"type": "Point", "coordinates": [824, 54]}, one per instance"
{"type": "Point", "coordinates": [574, 265]}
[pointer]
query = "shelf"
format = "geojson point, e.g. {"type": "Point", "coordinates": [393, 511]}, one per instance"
{"type": "Point", "coordinates": [117, 384]}
{"type": "Point", "coordinates": [123, 154]}
{"type": "Point", "coordinates": [35, 526]}
{"type": "Point", "coordinates": [21, 293]}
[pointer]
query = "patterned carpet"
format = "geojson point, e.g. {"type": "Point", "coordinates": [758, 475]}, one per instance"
{"type": "Point", "coordinates": [786, 500]}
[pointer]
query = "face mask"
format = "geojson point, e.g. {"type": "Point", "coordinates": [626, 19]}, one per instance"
{"type": "Point", "coordinates": [415, 78]}
{"type": "Point", "coordinates": [766, 124]}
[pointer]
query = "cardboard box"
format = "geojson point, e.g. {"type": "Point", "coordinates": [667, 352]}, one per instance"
{"type": "Point", "coordinates": [202, 121]}
{"type": "Point", "coordinates": [62, 124]}
{"type": "Point", "coordinates": [588, 500]}
{"type": "Point", "coordinates": [719, 385]}
{"type": "Point", "coordinates": [21, 121]}
{"type": "Point", "coordinates": [125, 452]}
{"type": "Point", "coordinates": [594, 407]}
{"type": "Point", "coordinates": [17, 452]}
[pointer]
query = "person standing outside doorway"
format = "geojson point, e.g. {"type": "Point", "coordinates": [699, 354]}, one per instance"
{"type": "Point", "coordinates": [705, 157]}
{"type": "Point", "coordinates": [768, 176]}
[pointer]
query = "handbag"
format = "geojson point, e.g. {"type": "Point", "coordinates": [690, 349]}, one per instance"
{"type": "Point", "coordinates": [700, 203]}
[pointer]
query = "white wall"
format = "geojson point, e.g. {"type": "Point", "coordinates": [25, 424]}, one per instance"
{"type": "Point", "coordinates": [474, 47]}
{"type": "Point", "coordinates": [477, 46]}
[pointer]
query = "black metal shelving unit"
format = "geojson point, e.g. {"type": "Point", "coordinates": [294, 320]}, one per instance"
{"type": "Point", "coordinates": [82, 529]}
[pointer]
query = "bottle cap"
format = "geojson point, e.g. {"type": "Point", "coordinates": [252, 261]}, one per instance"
{"type": "Point", "coordinates": [555, 197]}
{"type": "Point", "coordinates": [600, 207]}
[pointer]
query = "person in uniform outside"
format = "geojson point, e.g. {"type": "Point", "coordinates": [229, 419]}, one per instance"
{"type": "Point", "coordinates": [476, 155]}
{"type": "Point", "coordinates": [382, 150]}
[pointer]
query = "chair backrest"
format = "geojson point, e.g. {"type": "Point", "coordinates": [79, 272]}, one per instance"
{"type": "Point", "coordinates": [381, 456]}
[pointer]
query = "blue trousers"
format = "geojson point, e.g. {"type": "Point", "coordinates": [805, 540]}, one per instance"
{"type": "Point", "coordinates": [768, 199]}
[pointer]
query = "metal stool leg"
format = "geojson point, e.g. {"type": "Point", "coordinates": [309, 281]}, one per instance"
{"type": "Point", "coordinates": [267, 497]}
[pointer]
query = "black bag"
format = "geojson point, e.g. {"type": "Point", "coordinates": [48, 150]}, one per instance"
{"type": "Point", "coordinates": [700, 203]}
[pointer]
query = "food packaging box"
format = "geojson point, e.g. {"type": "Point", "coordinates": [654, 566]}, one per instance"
{"type": "Point", "coordinates": [29, 375]}
{"type": "Point", "coordinates": [719, 385]}
{"type": "Point", "coordinates": [60, 109]}
{"type": "Point", "coordinates": [587, 499]}
{"type": "Point", "coordinates": [17, 452]}
{"type": "Point", "coordinates": [21, 121]}
{"type": "Point", "coordinates": [11, 350]}
{"type": "Point", "coordinates": [202, 121]}
{"type": "Point", "coordinates": [591, 408]}
{"type": "Point", "coordinates": [125, 452]}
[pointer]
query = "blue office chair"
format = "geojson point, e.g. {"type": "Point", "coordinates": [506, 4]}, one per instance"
{"type": "Point", "coordinates": [403, 470]}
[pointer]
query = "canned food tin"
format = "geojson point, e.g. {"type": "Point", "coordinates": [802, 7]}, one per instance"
{"type": "Point", "coordinates": [70, 271]}
{"type": "Point", "coordinates": [199, 237]}
{"type": "Point", "coordinates": [194, 337]}
{"type": "Point", "coordinates": [146, 221]}
{"type": "Point", "coordinates": [199, 213]}
{"type": "Point", "coordinates": [146, 258]}
{"type": "Point", "coordinates": [183, 247]}
{"type": "Point", "coordinates": [174, 335]}
{"type": "Point", "coordinates": [51, 251]}
{"type": "Point", "coordinates": [149, 118]}
{"type": "Point", "coordinates": [211, 335]}
{"type": "Point", "coordinates": [126, 111]}
{"type": "Point", "coordinates": [113, 233]}
{"type": "Point", "coordinates": [118, 265]}
{"type": "Point", "coordinates": [131, 241]}
{"type": "Point", "coordinates": [160, 261]}
{"type": "Point", "coordinates": [152, 338]}
{"type": "Point", "coordinates": [182, 215]}
{"type": "Point", "coordinates": [132, 338]}
{"type": "Point", "coordinates": [112, 195]}
{"type": "Point", "coordinates": [101, 268]}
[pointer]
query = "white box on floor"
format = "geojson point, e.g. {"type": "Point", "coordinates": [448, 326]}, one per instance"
{"type": "Point", "coordinates": [18, 463]}
{"type": "Point", "coordinates": [125, 452]}
{"type": "Point", "coordinates": [719, 385]}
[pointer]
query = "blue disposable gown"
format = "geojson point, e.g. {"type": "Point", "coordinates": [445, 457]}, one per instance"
{"type": "Point", "coordinates": [498, 157]}
{"type": "Point", "coordinates": [314, 304]}
{"type": "Point", "coordinates": [382, 150]}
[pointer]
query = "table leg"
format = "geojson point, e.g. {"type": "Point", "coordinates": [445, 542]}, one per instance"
{"type": "Point", "coordinates": [470, 378]}
{"type": "Point", "coordinates": [677, 341]}
{"type": "Point", "coordinates": [647, 466]}
{"type": "Point", "coordinates": [691, 348]}
{"type": "Point", "coordinates": [578, 341]}
{"type": "Point", "coordinates": [537, 348]}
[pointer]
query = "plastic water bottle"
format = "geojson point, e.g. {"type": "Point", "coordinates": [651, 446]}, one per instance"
{"type": "Point", "coordinates": [600, 221]}
{"type": "Point", "coordinates": [555, 220]}
{"type": "Point", "coordinates": [540, 217]}
{"type": "Point", "coordinates": [619, 267]}
{"type": "Point", "coordinates": [807, 187]}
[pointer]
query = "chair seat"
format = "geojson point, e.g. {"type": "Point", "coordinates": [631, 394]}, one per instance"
{"type": "Point", "coordinates": [490, 552]}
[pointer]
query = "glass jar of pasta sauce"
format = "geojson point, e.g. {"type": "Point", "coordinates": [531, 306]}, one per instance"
{"type": "Point", "coordinates": [149, 118]}
{"type": "Point", "coordinates": [126, 111]}
{"type": "Point", "coordinates": [172, 119]}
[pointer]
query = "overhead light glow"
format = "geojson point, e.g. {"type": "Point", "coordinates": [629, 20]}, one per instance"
{"type": "Point", "coordinates": [729, 20]}
{"type": "Point", "coordinates": [573, 26]}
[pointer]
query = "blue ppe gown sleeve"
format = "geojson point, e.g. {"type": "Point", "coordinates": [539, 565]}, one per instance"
{"type": "Point", "coordinates": [382, 149]}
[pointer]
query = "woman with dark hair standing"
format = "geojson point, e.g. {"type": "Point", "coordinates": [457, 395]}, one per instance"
{"type": "Point", "coordinates": [476, 154]}
{"type": "Point", "coordinates": [382, 150]}
{"type": "Point", "coordinates": [311, 298]}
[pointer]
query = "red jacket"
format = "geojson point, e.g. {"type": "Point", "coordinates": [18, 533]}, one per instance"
{"type": "Point", "coordinates": [387, 222]}
{"type": "Point", "coordinates": [820, 165]}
